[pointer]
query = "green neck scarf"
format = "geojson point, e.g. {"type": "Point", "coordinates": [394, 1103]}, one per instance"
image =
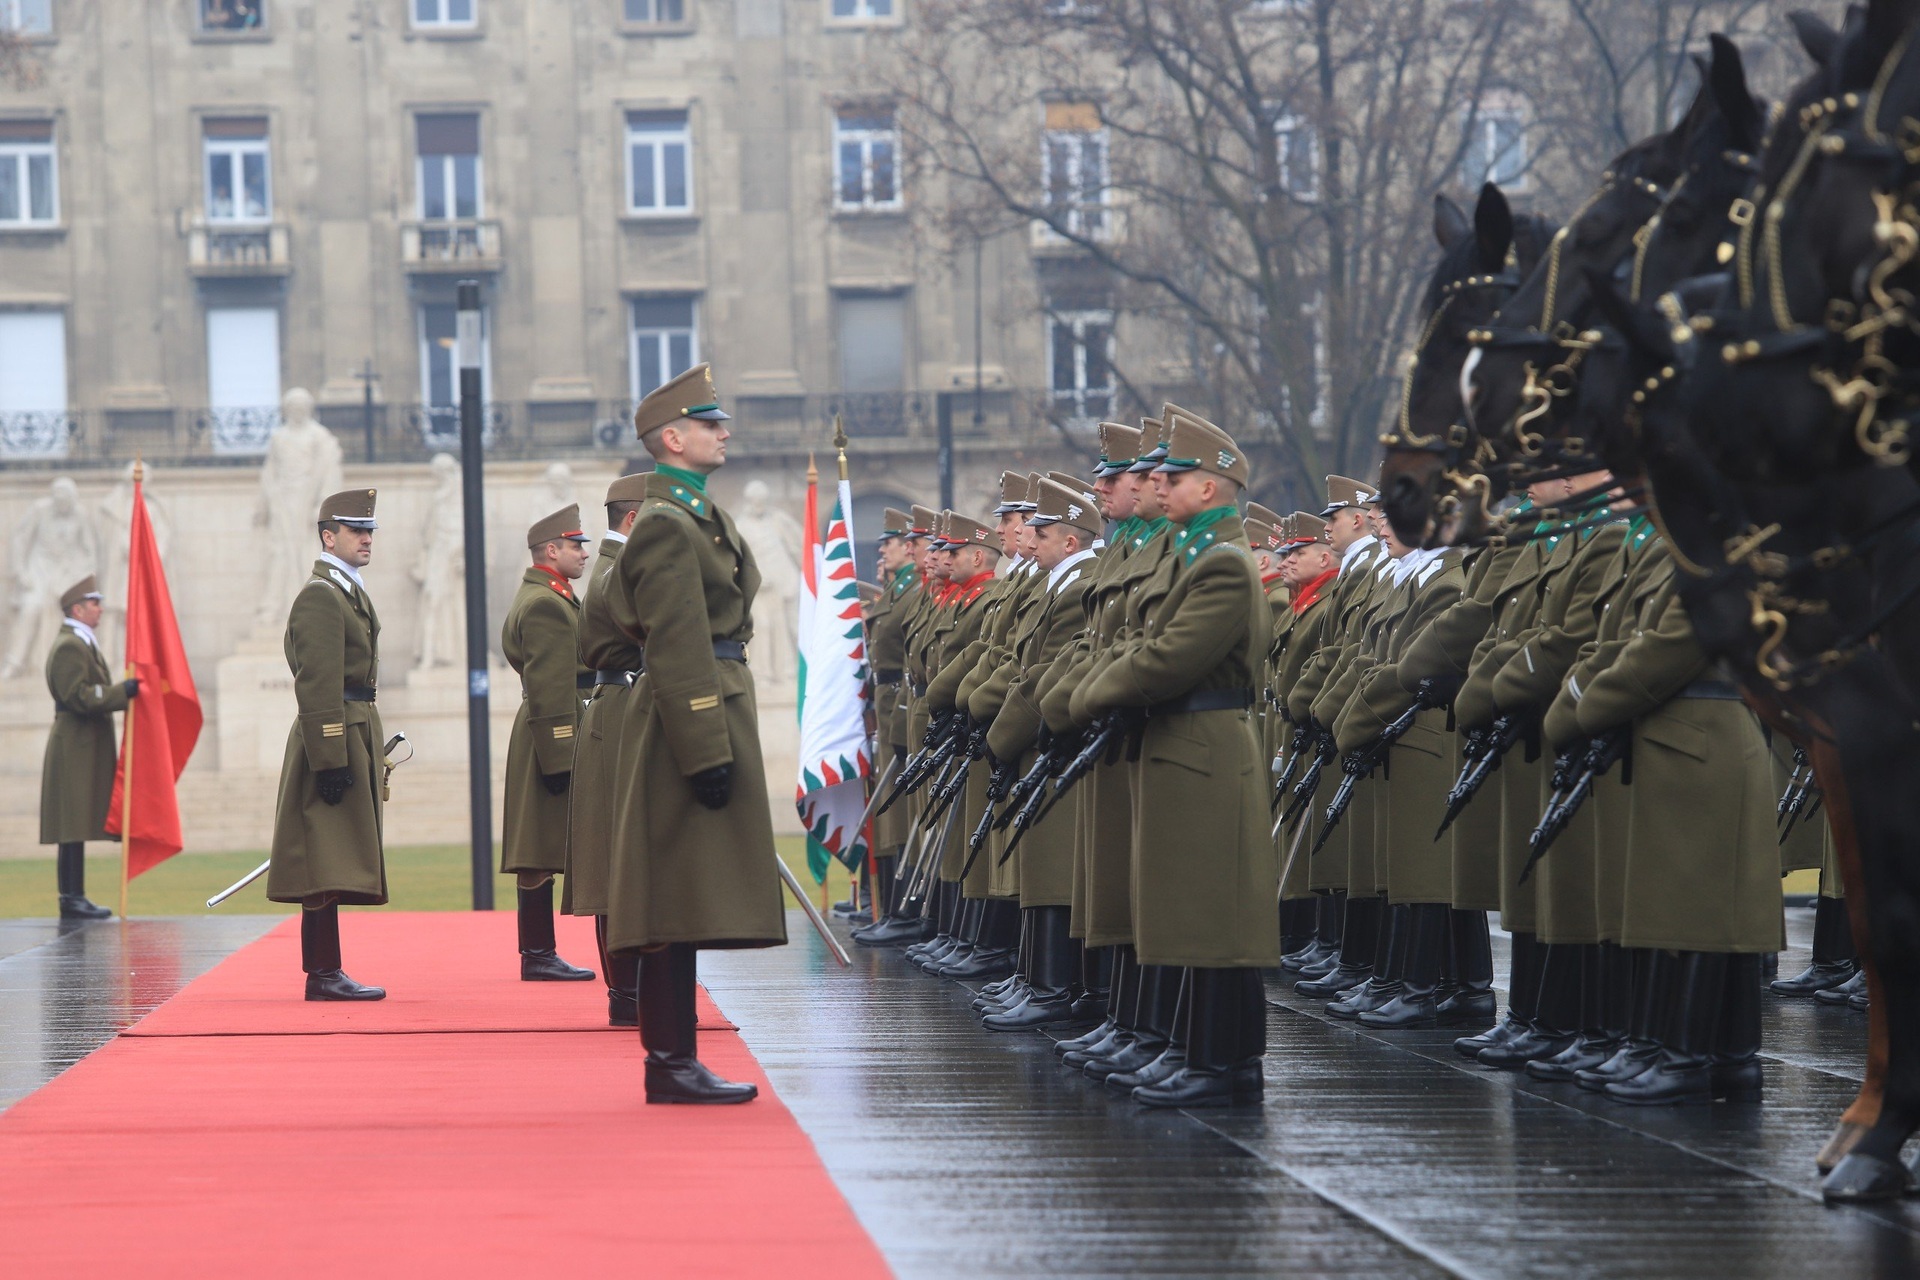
{"type": "Point", "coordinates": [1124, 531]}
{"type": "Point", "coordinates": [692, 479]}
{"type": "Point", "coordinates": [1201, 523]}
{"type": "Point", "coordinates": [1146, 531]}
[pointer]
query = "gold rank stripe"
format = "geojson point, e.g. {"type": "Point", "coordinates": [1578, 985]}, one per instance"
{"type": "Point", "coordinates": [707, 703]}
{"type": "Point", "coordinates": [333, 730]}
{"type": "Point", "coordinates": [563, 731]}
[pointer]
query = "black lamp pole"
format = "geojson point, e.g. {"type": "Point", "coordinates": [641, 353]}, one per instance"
{"type": "Point", "coordinates": [472, 504]}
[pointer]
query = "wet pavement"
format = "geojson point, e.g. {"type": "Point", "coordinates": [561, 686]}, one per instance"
{"type": "Point", "coordinates": [969, 1153]}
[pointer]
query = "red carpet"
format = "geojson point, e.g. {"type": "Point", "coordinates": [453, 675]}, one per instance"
{"type": "Point", "coordinates": [229, 1135]}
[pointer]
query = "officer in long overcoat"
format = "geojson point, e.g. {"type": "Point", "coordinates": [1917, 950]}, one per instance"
{"type": "Point", "coordinates": [693, 834]}
{"type": "Point", "coordinates": [541, 642]}
{"type": "Point", "coordinates": [76, 779]}
{"type": "Point", "coordinates": [326, 825]}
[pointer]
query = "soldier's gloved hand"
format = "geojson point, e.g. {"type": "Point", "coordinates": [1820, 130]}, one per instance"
{"type": "Point", "coordinates": [333, 783]}
{"type": "Point", "coordinates": [900, 753]}
{"type": "Point", "coordinates": [556, 783]}
{"type": "Point", "coordinates": [713, 787]}
{"type": "Point", "coordinates": [132, 687]}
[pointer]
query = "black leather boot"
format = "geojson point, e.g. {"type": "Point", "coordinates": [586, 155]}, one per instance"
{"type": "Point", "coordinates": [539, 962]}
{"type": "Point", "coordinates": [1152, 1024]}
{"type": "Point", "coordinates": [1736, 1048]}
{"type": "Point", "coordinates": [1096, 981]}
{"type": "Point", "coordinates": [1323, 955]}
{"type": "Point", "coordinates": [1846, 991]}
{"type": "Point", "coordinates": [1523, 989]}
{"type": "Point", "coordinates": [1108, 1037]}
{"type": "Point", "coordinates": [1471, 1003]}
{"type": "Point", "coordinates": [668, 1022]}
{"type": "Point", "coordinates": [1599, 1038]}
{"type": "Point", "coordinates": [1389, 957]}
{"type": "Point", "coordinates": [70, 870]}
{"type": "Point", "coordinates": [1219, 1071]}
{"type": "Point", "coordinates": [1056, 964]}
{"type": "Point", "coordinates": [623, 979]}
{"type": "Point", "coordinates": [1653, 973]}
{"type": "Point", "coordinates": [1834, 960]}
{"type": "Point", "coordinates": [1683, 1073]}
{"type": "Point", "coordinates": [1298, 928]}
{"type": "Point", "coordinates": [992, 955]}
{"type": "Point", "coordinates": [1416, 1003]}
{"type": "Point", "coordinates": [1359, 936]}
{"type": "Point", "coordinates": [1556, 1016]}
{"type": "Point", "coordinates": [1173, 1056]}
{"type": "Point", "coordinates": [320, 957]}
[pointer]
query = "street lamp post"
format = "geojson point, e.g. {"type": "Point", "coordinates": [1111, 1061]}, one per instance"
{"type": "Point", "coordinates": [467, 340]}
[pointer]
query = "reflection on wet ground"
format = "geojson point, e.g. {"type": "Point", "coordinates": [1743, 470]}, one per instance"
{"type": "Point", "coordinates": [968, 1153]}
{"type": "Point", "coordinates": [66, 988]}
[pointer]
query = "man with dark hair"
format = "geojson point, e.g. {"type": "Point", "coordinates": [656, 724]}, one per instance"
{"type": "Point", "coordinates": [326, 825]}
{"type": "Point", "coordinates": [76, 782]}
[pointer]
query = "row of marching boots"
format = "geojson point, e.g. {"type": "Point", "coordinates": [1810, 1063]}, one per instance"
{"type": "Point", "coordinates": [1166, 1036]}
{"type": "Point", "coordinates": [1390, 966]}
{"type": "Point", "coordinates": [1834, 976]}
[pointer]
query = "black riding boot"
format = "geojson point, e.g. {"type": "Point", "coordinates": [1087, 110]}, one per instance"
{"type": "Point", "coordinates": [1123, 993]}
{"type": "Point", "coordinates": [1360, 931]}
{"type": "Point", "coordinates": [1096, 982]}
{"type": "Point", "coordinates": [1684, 1070]}
{"type": "Point", "coordinates": [1834, 960]}
{"type": "Point", "coordinates": [1389, 956]}
{"type": "Point", "coordinates": [623, 977]}
{"type": "Point", "coordinates": [1523, 993]}
{"type": "Point", "coordinates": [1425, 957]}
{"type": "Point", "coordinates": [539, 962]}
{"type": "Point", "coordinates": [668, 1022]}
{"type": "Point", "coordinates": [992, 955]}
{"type": "Point", "coordinates": [1600, 1037]}
{"type": "Point", "coordinates": [1219, 1069]}
{"type": "Point", "coordinates": [1471, 1003]}
{"type": "Point", "coordinates": [1152, 1023]}
{"type": "Point", "coordinates": [1012, 989]}
{"type": "Point", "coordinates": [70, 870]}
{"type": "Point", "coordinates": [1736, 1048]}
{"type": "Point", "coordinates": [1056, 966]}
{"type": "Point", "coordinates": [1556, 1015]}
{"type": "Point", "coordinates": [1298, 927]}
{"type": "Point", "coordinates": [1174, 1055]}
{"type": "Point", "coordinates": [1652, 980]}
{"type": "Point", "coordinates": [320, 957]}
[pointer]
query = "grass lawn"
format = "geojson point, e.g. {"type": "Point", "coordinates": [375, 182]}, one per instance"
{"type": "Point", "coordinates": [432, 877]}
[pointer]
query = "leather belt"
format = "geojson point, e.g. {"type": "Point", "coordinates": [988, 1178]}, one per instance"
{"type": "Point", "coordinates": [1205, 700]}
{"type": "Point", "coordinates": [723, 651]}
{"type": "Point", "coordinates": [916, 688]}
{"type": "Point", "coordinates": [888, 675]}
{"type": "Point", "coordinates": [1723, 690]}
{"type": "Point", "coordinates": [612, 676]}
{"type": "Point", "coordinates": [357, 693]}
{"type": "Point", "coordinates": [584, 680]}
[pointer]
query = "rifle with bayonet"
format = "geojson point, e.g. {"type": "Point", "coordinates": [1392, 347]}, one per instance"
{"type": "Point", "coordinates": [1360, 765]}
{"type": "Point", "coordinates": [1802, 796]}
{"type": "Point", "coordinates": [971, 746]}
{"type": "Point", "coordinates": [1029, 782]}
{"type": "Point", "coordinates": [1582, 769]}
{"type": "Point", "coordinates": [1057, 755]}
{"type": "Point", "coordinates": [999, 785]}
{"type": "Point", "coordinates": [1106, 739]}
{"type": "Point", "coordinates": [1283, 776]}
{"type": "Point", "coordinates": [1483, 752]}
{"type": "Point", "coordinates": [945, 735]}
{"type": "Point", "coordinates": [1320, 744]}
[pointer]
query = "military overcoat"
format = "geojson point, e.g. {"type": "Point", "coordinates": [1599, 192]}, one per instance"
{"type": "Point", "coordinates": [604, 648]}
{"type": "Point", "coordinates": [541, 642]}
{"type": "Point", "coordinates": [76, 776]}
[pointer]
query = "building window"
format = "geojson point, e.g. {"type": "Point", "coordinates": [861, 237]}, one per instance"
{"type": "Point", "coordinates": [1496, 144]}
{"type": "Point", "coordinates": [872, 332]}
{"type": "Point", "coordinates": [233, 15]}
{"type": "Point", "coordinates": [29, 174]}
{"type": "Point", "coordinates": [27, 17]}
{"type": "Point", "coordinates": [659, 163]}
{"type": "Point", "coordinates": [449, 167]}
{"type": "Point", "coordinates": [861, 10]}
{"type": "Point", "coordinates": [243, 378]}
{"type": "Point", "coordinates": [1080, 362]}
{"type": "Point", "coordinates": [440, 370]}
{"type": "Point", "coordinates": [33, 384]}
{"type": "Point", "coordinates": [1074, 170]}
{"type": "Point", "coordinates": [654, 12]}
{"type": "Point", "coordinates": [663, 341]}
{"type": "Point", "coordinates": [239, 186]}
{"type": "Point", "coordinates": [866, 148]}
{"type": "Point", "coordinates": [444, 13]}
{"type": "Point", "coordinates": [1298, 151]}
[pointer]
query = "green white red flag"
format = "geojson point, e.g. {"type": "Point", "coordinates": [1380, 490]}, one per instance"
{"type": "Point", "coordinates": [835, 758]}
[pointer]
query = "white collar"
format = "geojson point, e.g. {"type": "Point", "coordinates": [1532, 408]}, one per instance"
{"type": "Point", "coordinates": [344, 567]}
{"type": "Point", "coordinates": [85, 631]}
{"type": "Point", "coordinates": [1353, 551]}
{"type": "Point", "coordinates": [613, 536]}
{"type": "Point", "coordinates": [1099, 544]}
{"type": "Point", "coordinates": [1061, 571]}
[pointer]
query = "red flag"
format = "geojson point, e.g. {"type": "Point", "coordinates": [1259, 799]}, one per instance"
{"type": "Point", "coordinates": [165, 718]}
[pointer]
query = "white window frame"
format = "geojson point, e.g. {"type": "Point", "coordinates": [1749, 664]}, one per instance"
{"type": "Point", "coordinates": [440, 21]}
{"type": "Point", "coordinates": [1073, 324]}
{"type": "Point", "coordinates": [1094, 218]}
{"type": "Point", "coordinates": [36, 425]}
{"type": "Point", "coordinates": [21, 156]}
{"type": "Point", "coordinates": [662, 339]}
{"type": "Point", "coordinates": [862, 12]}
{"type": "Point", "coordinates": [659, 136]}
{"type": "Point", "coordinates": [865, 138]}
{"type": "Point", "coordinates": [11, 18]}
{"type": "Point", "coordinates": [1506, 168]}
{"type": "Point", "coordinates": [654, 17]}
{"type": "Point", "coordinates": [236, 150]}
{"type": "Point", "coordinates": [1286, 129]}
{"type": "Point", "coordinates": [200, 21]}
{"type": "Point", "coordinates": [432, 413]}
{"type": "Point", "coordinates": [449, 166]}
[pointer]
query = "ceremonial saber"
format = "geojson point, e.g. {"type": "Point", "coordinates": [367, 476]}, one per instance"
{"type": "Point", "coordinates": [239, 884]}
{"type": "Point", "coordinates": [813, 914]}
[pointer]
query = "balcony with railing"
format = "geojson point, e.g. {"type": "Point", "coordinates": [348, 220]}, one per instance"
{"type": "Point", "coordinates": [238, 249]}
{"type": "Point", "coordinates": [453, 245]}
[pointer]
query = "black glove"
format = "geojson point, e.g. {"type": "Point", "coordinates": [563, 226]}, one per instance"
{"type": "Point", "coordinates": [557, 782]}
{"type": "Point", "coordinates": [900, 753]}
{"type": "Point", "coordinates": [333, 783]}
{"type": "Point", "coordinates": [713, 787]}
{"type": "Point", "coordinates": [132, 686]}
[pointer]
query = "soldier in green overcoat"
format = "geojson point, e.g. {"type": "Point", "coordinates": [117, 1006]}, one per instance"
{"type": "Point", "coordinates": [76, 779]}
{"type": "Point", "coordinates": [614, 660]}
{"type": "Point", "coordinates": [326, 824]}
{"type": "Point", "coordinates": [541, 641]}
{"type": "Point", "coordinates": [693, 856]}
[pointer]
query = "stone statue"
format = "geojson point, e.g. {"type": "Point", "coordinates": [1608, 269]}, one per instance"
{"type": "Point", "coordinates": [302, 467]}
{"type": "Point", "coordinates": [557, 491]}
{"type": "Point", "coordinates": [777, 543]}
{"type": "Point", "coordinates": [115, 514]}
{"type": "Point", "coordinates": [54, 546]}
{"type": "Point", "coordinates": [440, 569]}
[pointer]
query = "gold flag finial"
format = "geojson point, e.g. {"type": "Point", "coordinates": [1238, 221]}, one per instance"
{"type": "Point", "coordinates": [840, 443]}
{"type": "Point", "coordinates": [813, 472]}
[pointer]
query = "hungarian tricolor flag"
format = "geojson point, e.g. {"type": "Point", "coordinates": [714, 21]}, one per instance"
{"type": "Point", "coordinates": [834, 755]}
{"type": "Point", "coordinates": [163, 722]}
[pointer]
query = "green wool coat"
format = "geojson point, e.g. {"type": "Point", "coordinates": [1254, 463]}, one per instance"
{"type": "Point", "coordinates": [541, 642]}
{"type": "Point", "coordinates": [1205, 877]}
{"type": "Point", "coordinates": [955, 644]}
{"type": "Point", "coordinates": [76, 776]}
{"type": "Point", "coordinates": [982, 692]}
{"type": "Point", "coordinates": [321, 849]}
{"type": "Point", "coordinates": [603, 647]}
{"type": "Point", "coordinates": [886, 658]}
{"type": "Point", "coordinates": [682, 872]}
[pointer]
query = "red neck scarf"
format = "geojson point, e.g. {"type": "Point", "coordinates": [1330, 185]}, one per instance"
{"type": "Point", "coordinates": [559, 581]}
{"type": "Point", "coordinates": [1305, 597]}
{"type": "Point", "coordinates": [969, 591]}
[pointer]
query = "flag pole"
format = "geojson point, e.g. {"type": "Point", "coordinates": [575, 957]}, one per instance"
{"type": "Point", "coordinates": [126, 772]}
{"type": "Point", "coordinates": [840, 450]}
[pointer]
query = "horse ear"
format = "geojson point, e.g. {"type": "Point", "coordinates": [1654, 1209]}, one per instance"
{"type": "Point", "coordinates": [1492, 228]}
{"type": "Point", "coordinates": [1727, 77]}
{"type": "Point", "coordinates": [1449, 224]}
{"type": "Point", "coordinates": [1817, 37]}
{"type": "Point", "coordinates": [1641, 328]}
